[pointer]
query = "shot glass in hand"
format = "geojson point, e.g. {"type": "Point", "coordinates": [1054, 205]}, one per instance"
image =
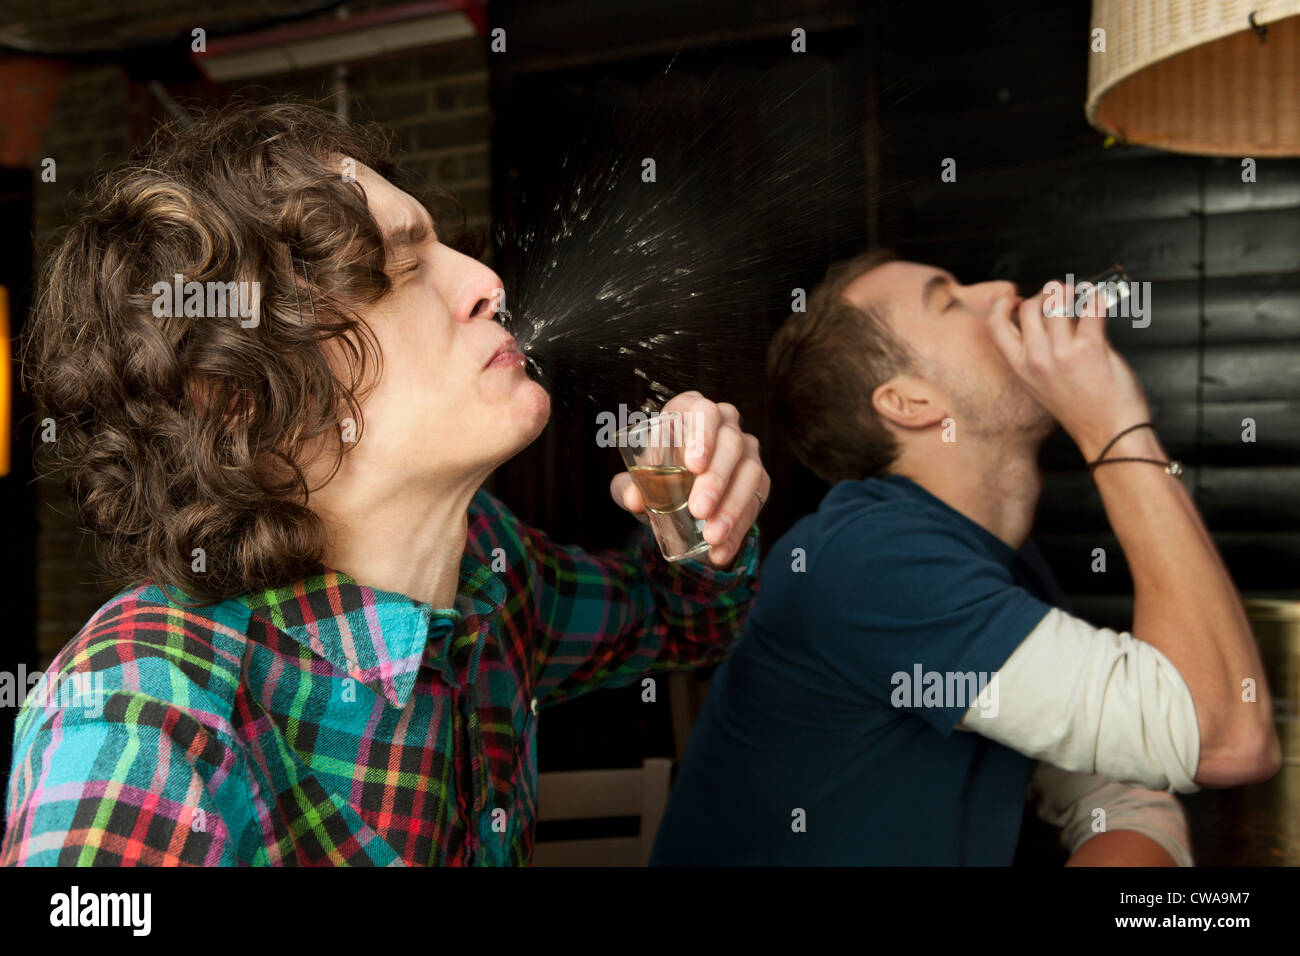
{"type": "Point", "coordinates": [1112, 285]}
{"type": "Point", "coordinates": [655, 454]}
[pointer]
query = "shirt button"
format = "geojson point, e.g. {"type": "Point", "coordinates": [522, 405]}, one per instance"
{"type": "Point", "coordinates": [533, 706]}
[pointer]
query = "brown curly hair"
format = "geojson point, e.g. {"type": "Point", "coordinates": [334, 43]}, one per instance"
{"type": "Point", "coordinates": [181, 432]}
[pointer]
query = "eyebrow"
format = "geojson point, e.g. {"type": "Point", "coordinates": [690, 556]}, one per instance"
{"type": "Point", "coordinates": [410, 234]}
{"type": "Point", "coordinates": [933, 285]}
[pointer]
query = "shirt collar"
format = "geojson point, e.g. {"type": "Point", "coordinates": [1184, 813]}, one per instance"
{"type": "Point", "coordinates": [380, 638]}
{"type": "Point", "coordinates": [996, 548]}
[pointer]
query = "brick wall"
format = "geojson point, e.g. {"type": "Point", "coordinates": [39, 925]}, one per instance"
{"type": "Point", "coordinates": [84, 132]}
{"type": "Point", "coordinates": [436, 100]}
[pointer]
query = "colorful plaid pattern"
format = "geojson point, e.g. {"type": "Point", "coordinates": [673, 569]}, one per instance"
{"type": "Point", "coordinates": [328, 723]}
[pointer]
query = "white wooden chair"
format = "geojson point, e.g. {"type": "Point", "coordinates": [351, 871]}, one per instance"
{"type": "Point", "coordinates": [597, 794]}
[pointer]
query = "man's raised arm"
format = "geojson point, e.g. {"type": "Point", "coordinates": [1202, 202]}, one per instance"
{"type": "Point", "coordinates": [1186, 605]}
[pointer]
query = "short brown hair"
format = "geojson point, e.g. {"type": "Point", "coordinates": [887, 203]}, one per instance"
{"type": "Point", "coordinates": [180, 432]}
{"type": "Point", "coordinates": [823, 365]}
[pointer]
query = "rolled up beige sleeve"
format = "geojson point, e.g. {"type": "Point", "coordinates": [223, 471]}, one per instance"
{"type": "Point", "coordinates": [1095, 701]}
{"type": "Point", "coordinates": [1083, 805]}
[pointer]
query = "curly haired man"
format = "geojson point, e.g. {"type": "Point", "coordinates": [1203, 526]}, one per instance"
{"type": "Point", "coordinates": [331, 645]}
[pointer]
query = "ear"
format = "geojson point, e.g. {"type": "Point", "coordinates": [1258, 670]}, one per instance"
{"type": "Point", "coordinates": [909, 402]}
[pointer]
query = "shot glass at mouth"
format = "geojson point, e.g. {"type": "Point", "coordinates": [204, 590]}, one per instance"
{"type": "Point", "coordinates": [1111, 285]}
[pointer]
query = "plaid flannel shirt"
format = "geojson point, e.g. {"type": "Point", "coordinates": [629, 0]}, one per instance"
{"type": "Point", "coordinates": [331, 723]}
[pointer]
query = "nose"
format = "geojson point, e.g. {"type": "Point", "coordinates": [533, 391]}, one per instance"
{"type": "Point", "coordinates": [482, 293]}
{"type": "Point", "coordinates": [996, 288]}
{"type": "Point", "coordinates": [483, 305]}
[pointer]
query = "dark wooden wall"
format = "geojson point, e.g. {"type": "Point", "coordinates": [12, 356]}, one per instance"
{"type": "Point", "coordinates": [637, 93]}
{"type": "Point", "coordinates": [1001, 90]}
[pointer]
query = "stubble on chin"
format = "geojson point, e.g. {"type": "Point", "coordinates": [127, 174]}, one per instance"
{"type": "Point", "coordinates": [1009, 411]}
{"type": "Point", "coordinates": [996, 405]}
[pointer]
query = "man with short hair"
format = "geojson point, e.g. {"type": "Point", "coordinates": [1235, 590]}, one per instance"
{"type": "Point", "coordinates": [902, 610]}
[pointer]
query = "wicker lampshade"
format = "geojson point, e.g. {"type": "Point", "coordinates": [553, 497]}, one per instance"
{"type": "Point", "coordinates": [1194, 76]}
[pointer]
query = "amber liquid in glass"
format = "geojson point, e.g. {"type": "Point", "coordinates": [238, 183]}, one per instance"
{"type": "Point", "coordinates": [664, 488]}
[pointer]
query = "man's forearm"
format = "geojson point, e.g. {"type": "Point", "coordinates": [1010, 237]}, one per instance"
{"type": "Point", "coordinates": [1142, 827]}
{"type": "Point", "coordinates": [1187, 607]}
{"type": "Point", "coordinates": [1121, 848]}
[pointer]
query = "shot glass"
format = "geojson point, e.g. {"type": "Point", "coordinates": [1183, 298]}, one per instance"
{"type": "Point", "coordinates": [1111, 284]}
{"type": "Point", "coordinates": [654, 452]}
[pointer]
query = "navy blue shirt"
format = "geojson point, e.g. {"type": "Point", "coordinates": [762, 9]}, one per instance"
{"type": "Point", "coordinates": [807, 725]}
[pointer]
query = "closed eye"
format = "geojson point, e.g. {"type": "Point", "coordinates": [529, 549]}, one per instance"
{"type": "Point", "coordinates": [951, 303]}
{"type": "Point", "coordinates": [403, 263]}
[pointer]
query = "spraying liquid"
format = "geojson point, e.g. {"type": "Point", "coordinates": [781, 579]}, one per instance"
{"type": "Point", "coordinates": [651, 271]}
